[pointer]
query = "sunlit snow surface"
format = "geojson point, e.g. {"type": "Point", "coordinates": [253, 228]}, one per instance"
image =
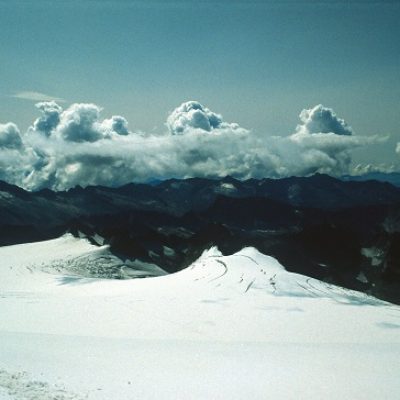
{"type": "Point", "coordinates": [234, 327]}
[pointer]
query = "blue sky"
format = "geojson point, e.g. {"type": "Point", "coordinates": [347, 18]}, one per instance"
{"type": "Point", "coordinates": [258, 63]}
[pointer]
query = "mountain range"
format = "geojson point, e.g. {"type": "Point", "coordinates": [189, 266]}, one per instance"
{"type": "Point", "coordinates": [338, 230]}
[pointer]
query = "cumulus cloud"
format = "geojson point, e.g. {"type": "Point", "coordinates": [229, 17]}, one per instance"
{"type": "Point", "coordinates": [10, 137]}
{"type": "Point", "coordinates": [320, 119]}
{"type": "Point", "coordinates": [193, 115]}
{"type": "Point", "coordinates": [15, 157]}
{"type": "Point", "coordinates": [326, 141]}
{"type": "Point", "coordinates": [76, 146]}
{"type": "Point", "coordinates": [50, 117]}
{"type": "Point", "coordinates": [79, 123]}
{"type": "Point", "coordinates": [116, 124]}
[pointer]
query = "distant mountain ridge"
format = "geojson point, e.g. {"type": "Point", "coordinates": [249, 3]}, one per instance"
{"type": "Point", "coordinates": [389, 177]}
{"type": "Point", "coordinates": [341, 231]}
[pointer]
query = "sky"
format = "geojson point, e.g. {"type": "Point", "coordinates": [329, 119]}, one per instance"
{"type": "Point", "coordinates": [255, 63]}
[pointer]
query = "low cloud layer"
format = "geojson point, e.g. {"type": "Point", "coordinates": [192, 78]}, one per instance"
{"type": "Point", "coordinates": [76, 146]}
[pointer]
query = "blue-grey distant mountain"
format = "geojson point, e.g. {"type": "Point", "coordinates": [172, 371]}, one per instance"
{"type": "Point", "coordinates": [389, 177]}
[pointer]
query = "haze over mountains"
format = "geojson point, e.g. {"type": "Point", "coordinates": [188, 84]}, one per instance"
{"type": "Point", "coordinates": [343, 232]}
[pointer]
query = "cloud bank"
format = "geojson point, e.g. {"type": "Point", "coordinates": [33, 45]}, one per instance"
{"type": "Point", "coordinates": [76, 146]}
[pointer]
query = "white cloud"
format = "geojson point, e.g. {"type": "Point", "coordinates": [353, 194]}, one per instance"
{"type": "Point", "coordinates": [36, 96]}
{"type": "Point", "coordinates": [64, 148]}
{"type": "Point", "coordinates": [79, 123]}
{"type": "Point", "coordinates": [362, 169]}
{"type": "Point", "coordinates": [320, 119]}
{"type": "Point", "coordinates": [10, 137]}
{"type": "Point", "coordinates": [193, 115]}
{"type": "Point", "coordinates": [15, 157]}
{"type": "Point", "coordinates": [325, 141]}
{"type": "Point", "coordinates": [50, 117]}
{"type": "Point", "coordinates": [116, 124]}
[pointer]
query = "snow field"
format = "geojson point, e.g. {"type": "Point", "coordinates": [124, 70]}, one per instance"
{"type": "Point", "coordinates": [227, 327]}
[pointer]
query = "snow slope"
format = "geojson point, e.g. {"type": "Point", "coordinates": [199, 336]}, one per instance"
{"type": "Point", "coordinates": [233, 327]}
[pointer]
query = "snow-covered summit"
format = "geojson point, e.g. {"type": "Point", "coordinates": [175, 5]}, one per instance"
{"type": "Point", "coordinates": [249, 269]}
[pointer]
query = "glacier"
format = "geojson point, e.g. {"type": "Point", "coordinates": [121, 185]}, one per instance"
{"type": "Point", "coordinates": [226, 327]}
